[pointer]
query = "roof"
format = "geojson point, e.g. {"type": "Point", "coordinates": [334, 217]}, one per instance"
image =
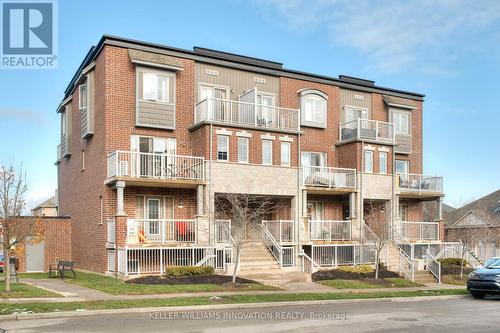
{"type": "Point", "coordinates": [230, 59]}
{"type": "Point", "coordinates": [487, 208]}
{"type": "Point", "coordinates": [49, 203]}
{"type": "Point", "coordinates": [448, 208]}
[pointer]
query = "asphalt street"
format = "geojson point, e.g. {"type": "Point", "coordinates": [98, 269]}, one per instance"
{"type": "Point", "coordinates": [423, 315]}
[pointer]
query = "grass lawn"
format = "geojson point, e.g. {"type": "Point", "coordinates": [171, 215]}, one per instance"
{"type": "Point", "coordinates": [369, 284]}
{"type": "Point", "coordinates": [454, 279]}
{"type": "Point", "coordinates": [186, 301]}
{"type": "Point", "coordinates": [118, 287]}
{"type": "Point", "coordinates": [22, 290]}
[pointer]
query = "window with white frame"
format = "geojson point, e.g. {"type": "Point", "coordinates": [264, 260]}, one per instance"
{"type": "Point", "coordinates": [222, 148]}
{"type": "Point", "coordinates": [314, 109]}
{"type": "Point", "coordinates": [64, 125]}
{"type": "Point", "coordinates": [382, 162]}
{"type": "Point", "coordinates": [368, 161]}
{"type": "Point", "coordinates": [82, 97]}
{"type": "Point", "coordinates": [207, 91]}
{"type": "Point", "coordinates": [243, 150]}
{"type": "Point", "coordinates": [401, 122]}
{"type": "Point", "coordinates": [267, 152]}
{"type": "Point", "coordinates": [352, 113]}
{"type": "Point", "coordinates": [155, 87]}
{"type": "Point", "coordinates": [285, 153]}
{"type": "Point", "coordinates": [402, 166]}
{"type": "Point", "coordinates": [308, 158]}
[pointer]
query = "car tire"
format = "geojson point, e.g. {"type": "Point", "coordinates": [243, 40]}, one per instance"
{"type": "Point", "coordinates": [477, 295]}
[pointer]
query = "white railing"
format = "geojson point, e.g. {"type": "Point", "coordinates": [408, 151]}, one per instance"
{"type": "Point", "coordinates": [284, 255]}
{"type": "Point", "coordinates": [137, 261]}
{"type": "Point", "coordinates": [420, 183]}
{"type": "Point", "coordinates": [433, 266]}
{"type": "Point", "coordinates": [282, 230]}
{"type": "Point", "coordinates": [329, 230]}
{"type": "Point", "coordinates": [420, 230]}
{"type": "Point", "coordinates": [222, 231]}
{"type": "Point", "coordinates": [407, 265]}
{"type": "Point", "coordinates": [307, 264]}
{"type": "Point", "coordinates": [246, 114]}
{"type": "Point", "coordinates": [155, 165]}
{"type": "Point", "coordinates": [329, 177]}
{"type": "Point", "coordinates": [111, 232]}
{"type": "Point", "coordinates": [366, 129]}
{"type": "Point", "coordinates": [368, 236]}
{"type": "Point", "coordinates": [145, 231]}
{"type": "Point", "coordinates": [343, 254]}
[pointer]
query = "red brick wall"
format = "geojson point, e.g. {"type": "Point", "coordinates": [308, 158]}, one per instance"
{"type": "Point", "coordinates": [332, 205]}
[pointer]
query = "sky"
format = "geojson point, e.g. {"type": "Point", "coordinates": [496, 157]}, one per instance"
{"type": "Point", "coordinates": [448, 50]}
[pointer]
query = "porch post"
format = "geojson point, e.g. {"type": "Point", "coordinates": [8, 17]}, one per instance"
{"type": "Point", "coordinates": [304, 203]}
{"type": "Point", "coordinates": [120, 186]}
{"type": "Point", "coordinates": [352, 205]}
{"type": "Point", "coordinates": [199, 200]}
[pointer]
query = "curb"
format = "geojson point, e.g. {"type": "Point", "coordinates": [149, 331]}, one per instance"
{"type": "Point", "coordinates": [84, 313]}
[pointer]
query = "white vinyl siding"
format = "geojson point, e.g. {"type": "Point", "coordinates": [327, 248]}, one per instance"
{"type": "Point", "coordinates": [267, 152]}
{"type": "Point", "coordinates": [285, 153]}
{"type": "Point", "coordinates": [368, 161]}
{"type": "Point", "coordinates": [222, 148]}
{"type": "Point", "coordinates": [382, 162]}
{"type": "Point", "coordinates": [243, 150]}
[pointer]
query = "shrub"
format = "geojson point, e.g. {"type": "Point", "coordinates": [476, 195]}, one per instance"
{"type": "Point", "coordinates": [177, 271]}
{"type": "Point", "coordinates": [452, 261]}
{"type": "Point", "coordinates": [362, 269]}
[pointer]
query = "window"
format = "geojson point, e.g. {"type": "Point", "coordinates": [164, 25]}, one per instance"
{"type": "Point", "coordinates": [401, 122]}
{"type": "Point", "coordinates": [82, 97]}
{"type": "Point", "coordinates": [403, 212]}
{"type": "Point", "coordinates": [314, 108]}
{"type": "Point", "coordinates": [285, 153]}
{"type": "Point", "coordinates": [243, 150]}
{"type": "Point", "coordinates": [368, 161]}
{"type": "Point", "coordinates": [64, 124]}
{"type": "Point", "coordinates": [313, 159]}
{"type": "Point", "coordinates": [155, 87]}
{"type": "Point", "coordinates": [402, 167]}
{"type": "Point", "coordinates": [265, 109]}
{"type": "Point", "coordinates": [267, 152]}
{"type": "Point", "coordinates": [222, 147]}
{"type": "Point", "coordinates": [353, 113]}
{"type": "Point", "coordinates": [212, 91]}
{"type": "Point", "coordinates": [382, 162]}
{"type": "Point", "coordinates": [315, 210]}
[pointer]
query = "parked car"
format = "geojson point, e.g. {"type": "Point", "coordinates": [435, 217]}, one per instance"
{"type": "Point", "coordinates": [485, 280]}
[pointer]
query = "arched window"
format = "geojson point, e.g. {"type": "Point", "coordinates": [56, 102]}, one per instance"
{"type": "Point", "coordinates": [313, 106]}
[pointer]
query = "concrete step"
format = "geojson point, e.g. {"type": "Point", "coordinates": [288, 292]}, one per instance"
{"type": "Point", "coordinates": [263, 258]}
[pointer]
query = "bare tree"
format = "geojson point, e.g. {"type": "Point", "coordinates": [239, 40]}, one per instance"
{"type": "Point", "coordinates": [377, 230]}
{"type": "Point", "coordinates": [244, 211]}
{"type": "Point", "coordinates": [14, 230]}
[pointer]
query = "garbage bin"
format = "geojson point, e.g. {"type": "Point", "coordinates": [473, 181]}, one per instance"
{"type": "Point", "coordinates": [15, 261]}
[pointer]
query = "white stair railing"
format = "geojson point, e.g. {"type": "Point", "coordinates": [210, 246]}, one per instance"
{"type": "Point", "coordinates": [308, 265]}
{"type": "Point", "coordinates": [284, 255]}
{"type": "Point", "coordinates": [433, 266]}
{"type": "Point", "coordinates": [406, 265]}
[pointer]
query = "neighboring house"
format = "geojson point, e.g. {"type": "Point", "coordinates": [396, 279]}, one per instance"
{"type": "Point", "coordinates": [46, 208]}
{"type": "Point", "coordinates": [483, 214]}
{"type": "Point", "coordinates": [151, 134]}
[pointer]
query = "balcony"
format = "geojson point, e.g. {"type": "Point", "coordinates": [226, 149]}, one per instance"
{"type": "Point", "coordinates": [238, 113]}
{"type": "Point", "coordinates": [329, 178]}
{"type": "Point", "coordinates": [420, 231]}
{"type": "Point", "coordinates": [366, 129]}
{"type": "Point", "coordinates": [154, 168]}
{"type": "Point", "coordinates": [149, 231]}
{"type": "Point", "coordinates": [416, 185]}
{"type": "Point", "coordinates": [320, 230]}
{"type": "Point", "coordinates": [281, 230]}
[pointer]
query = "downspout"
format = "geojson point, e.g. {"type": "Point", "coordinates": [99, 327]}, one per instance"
{"type": "Point", "coordinates": [211, 221]}
{"type": "Point", "coordinates": [298, 202]}
{"type": "Point", "coordinates": [361, 202]}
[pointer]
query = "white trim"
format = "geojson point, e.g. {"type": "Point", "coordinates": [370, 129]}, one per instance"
{"type": "Point", "coordinates": [289, 144]}
{"type": "Point", "coordinates": [244, 134]}
{"type": "Point", "coordinates": [227, 147]}
{"type": "Point", "coordinates": [267, 137]}
{"type": "Point", "coordinates": [372, 160]}
{"type": "Point", "coordinates": [213, 85]}
{"type": "Point", "coordinates": [153, 64]}
{"type": "Point", "coordinates": [369, 147]}
{"type": "Point", "coordinates": [384, 149]}
{"type": "Point", "coordinates": [286, 138]}
{"type": "Point", "coordinates": [247, 149]}
{"type": "Point", "coordinates": [271, 151]}
{"type": "Point", "coordinates": [223, 131]}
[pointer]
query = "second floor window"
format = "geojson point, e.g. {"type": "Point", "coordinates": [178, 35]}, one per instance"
{"type": "Point", "coordinates": [243, 150]}
{"type": "Point", "coordinates": [82, 97]}
{"type": "Point", "coordinates": [313, 159]}
{"type": "Point", "coordinates": [155, 87]}
{"type": "Point", "coordinates": [222, 147]}
{"type": "Point", "coordinates": [64, 125]}
{"type": "Point", "coordinates": [368, 161]}
{"type": "Point", "coordinates": [285, 153]}
{"type": "Point", "coordinates": [382, 162]}
{"type": "Point", "coordinates": [402, 167]}
{"type": "Point", "coordinates": [314, 107]}
{"type": "Point", "coordinates": [401, 122]}
{"type": "Point", "coordinates": [267, 152]}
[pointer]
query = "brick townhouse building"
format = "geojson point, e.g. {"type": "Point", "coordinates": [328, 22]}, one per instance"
{"type": "Point", "coordinates": [151, 134]}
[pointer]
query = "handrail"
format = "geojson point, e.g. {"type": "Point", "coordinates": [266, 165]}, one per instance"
{"type": "Point", "coordinates": [368, 230]}
{"type": "Point", "coordinates": [433, 266]}
{"type": "Point", "coordinates": [274, 246]}
{"type": "Point", "coordinates": [411, 262]}
{"type": "Point", "coordinates": [312, 264]}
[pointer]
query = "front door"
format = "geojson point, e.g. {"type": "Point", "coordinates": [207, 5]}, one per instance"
{"type": "Point", "coordinates": [35, 254]}
{"type": "Point", "coordinates": [152, 225]}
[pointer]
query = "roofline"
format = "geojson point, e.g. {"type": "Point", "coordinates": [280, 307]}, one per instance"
{"type": "Point", "coordinates": [272, 67]}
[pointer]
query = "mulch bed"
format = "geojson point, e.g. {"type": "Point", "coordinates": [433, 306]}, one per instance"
{"type": "Point", "coordinates": [183, 280]}
{"type": "Point", "coordinates": [454, 269]}
{"type": "Point", "coordinates": [333, 274]}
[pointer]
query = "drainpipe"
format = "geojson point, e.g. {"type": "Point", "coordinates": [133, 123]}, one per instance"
{"type": "Point", "coordinates": [210, 222]}
{"type": "Point", "coordinates": [361, 201]}
{"type": "Point", "coordinates": [298, 202]}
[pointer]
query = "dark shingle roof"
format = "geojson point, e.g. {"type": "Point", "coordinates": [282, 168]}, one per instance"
{"type": "Point", "coordinates": [487, 207]}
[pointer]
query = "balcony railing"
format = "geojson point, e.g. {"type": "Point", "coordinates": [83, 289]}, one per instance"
{"type": "Point", "coordinates": [160, 231]}
{"type": "Point", "coordinates": [366, 129]}
{"type": "Point", "coordinates": [223, 231]}
{"type": "Point", "coordinates": [329, 230]}
{"type": "Point", "coordinates": [246, 114]}
{"type": "Point", "coordinates": [156, 166]}
{"type": "Point", "coordinates": [420, 230]}
{"type": "Point", "coordinates": [329, 177]}
{"type": "Point", "coordinates": [419, 183]}
{"type": "Point", "coordinates": [281, 230]}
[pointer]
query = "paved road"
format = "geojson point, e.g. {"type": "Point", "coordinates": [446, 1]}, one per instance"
{"type": "Point", "coordinates": [437, 315]}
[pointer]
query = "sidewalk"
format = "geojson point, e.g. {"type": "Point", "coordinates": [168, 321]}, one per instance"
{"type": "Point", "coordinates": [74, 293]}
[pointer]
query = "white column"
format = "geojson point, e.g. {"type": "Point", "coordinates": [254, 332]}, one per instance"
{"type": "Point", "coordinates": [440, 209]}
{"type": "Point", "coordinates": [304, 203]}
{"type": "Point", "coordinates": [352, 205]}
{"type": "Point", "coordinates": [199, 200]}
{"type": "Point", "coordinates": [120, 186]}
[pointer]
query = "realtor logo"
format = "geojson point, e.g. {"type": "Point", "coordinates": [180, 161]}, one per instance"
{"type": "Point", "coordinates": [28, 39]}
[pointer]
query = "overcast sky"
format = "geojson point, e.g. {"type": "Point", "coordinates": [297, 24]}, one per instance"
{"type": "Point", "coordinates": [448, 50]}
